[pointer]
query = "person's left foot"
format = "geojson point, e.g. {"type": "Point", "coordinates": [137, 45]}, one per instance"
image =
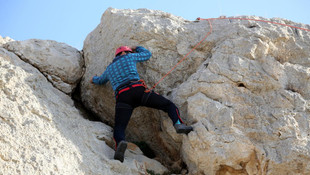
{"type": "Point", "coordinates": [120, 151]}
{"type": "Point", "coordinates": [182, 128]}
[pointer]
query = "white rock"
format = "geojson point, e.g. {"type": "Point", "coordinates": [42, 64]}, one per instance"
{"type": "Point", "coordinates": [61, 63]}
{"type": "Point", "coordinates": [245, 89]}
{"type": "Point", "coordinates": [43, 133]}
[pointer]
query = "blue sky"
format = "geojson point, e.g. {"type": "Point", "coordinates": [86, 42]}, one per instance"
{"type": "Point", "coordinates": [70, 21]}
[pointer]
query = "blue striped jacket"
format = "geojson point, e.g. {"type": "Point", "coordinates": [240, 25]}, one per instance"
{"type": "Point", "coordinates": [123, 69]}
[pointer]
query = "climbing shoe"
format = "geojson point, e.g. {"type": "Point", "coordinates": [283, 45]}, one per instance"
{"type": "Point", "coordinates": [120, 151]}
{"type": "Point", "coordinates": [181, 128]}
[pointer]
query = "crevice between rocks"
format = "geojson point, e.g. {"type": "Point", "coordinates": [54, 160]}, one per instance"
{"type": "Point", "coordinates": [77, 99]}
{"type": "Point", "coordinates": [86, 113]}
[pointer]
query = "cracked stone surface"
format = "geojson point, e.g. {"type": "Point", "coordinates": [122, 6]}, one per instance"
{"type": "Point", "coordinates": [245, 89]}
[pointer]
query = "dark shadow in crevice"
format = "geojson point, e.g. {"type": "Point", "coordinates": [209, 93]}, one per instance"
{"type": "Point", "coordinates": [241, 85]}
{"type": "Point", "coordinates": [145, 148]}
{"type": "Point", "coordinates": [86, 113]}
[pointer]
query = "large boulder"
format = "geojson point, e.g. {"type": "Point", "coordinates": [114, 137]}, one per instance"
{"type": "Point", "coordinates": [42, 132]}
{"type": "Point", "coordinates": [59, 62]}
{"type": "Point", "coordinates": [168, 38]}
{"type": "Point", "coordinates": [245, 89]}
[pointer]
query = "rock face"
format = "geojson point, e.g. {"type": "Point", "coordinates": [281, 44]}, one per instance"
{"type": "Point", "coordinates": [60, 63]}
{"type": "Point", "coordinates": [43, 133]}
{"type": "Point", "coordinates": [245, 89]}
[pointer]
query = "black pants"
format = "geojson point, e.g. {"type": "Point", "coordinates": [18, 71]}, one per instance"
{"type": "Point", "coordinates": [127, 101]}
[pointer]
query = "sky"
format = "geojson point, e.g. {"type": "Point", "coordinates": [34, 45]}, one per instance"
{"type": "Point", "coordinates": [70, 21]}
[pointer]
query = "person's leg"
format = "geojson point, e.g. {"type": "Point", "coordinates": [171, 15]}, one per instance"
{"type": "Point", "coordinates": [123, 113]}
{"type": "Point", "coordinates": [157, 101]}
{"type": "Point", "coordinates": [125, 104]}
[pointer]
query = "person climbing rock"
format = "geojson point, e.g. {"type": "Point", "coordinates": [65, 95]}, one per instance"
{"type": "Point", "coordinates": [131, 92]}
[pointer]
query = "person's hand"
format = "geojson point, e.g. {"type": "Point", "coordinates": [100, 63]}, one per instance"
{"type": "Point", "coordinates": [133, 48]}
{"type": "Point", "coordinates": [91, 80]}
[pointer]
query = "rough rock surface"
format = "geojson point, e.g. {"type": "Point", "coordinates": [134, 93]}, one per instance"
{"type": "Point", "coordinates": [43, 133]}
{"type": "Point", "coordinates": [250, 101]}
{"type": "Point", "coordinates": [246, 90]}
{"type": "Point", "coordinates": [60, 63]}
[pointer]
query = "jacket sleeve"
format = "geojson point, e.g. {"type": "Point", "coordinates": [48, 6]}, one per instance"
{"type": "Point", "coordinates": [101, 79]}
{"type": "Point", "coordinates": [142, 54]}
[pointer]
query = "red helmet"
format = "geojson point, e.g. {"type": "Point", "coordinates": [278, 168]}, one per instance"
{"type": "Point", "coordinates": [122, 49]}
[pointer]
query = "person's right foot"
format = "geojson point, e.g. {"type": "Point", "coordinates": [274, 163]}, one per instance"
{"type": "Point", "coordinates": [181, 128]}
{"type": "Point", "coordinates": [120, 151]}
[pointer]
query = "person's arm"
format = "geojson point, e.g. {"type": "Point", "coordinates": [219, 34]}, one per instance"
{"type": "Point", "coordinates": [100, 79]}
{"type": "Point", "coordinates": [141, 54]}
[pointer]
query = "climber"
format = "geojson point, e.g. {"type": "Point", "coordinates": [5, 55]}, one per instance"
{"type": "Point", "coordinates": [131, 92]}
